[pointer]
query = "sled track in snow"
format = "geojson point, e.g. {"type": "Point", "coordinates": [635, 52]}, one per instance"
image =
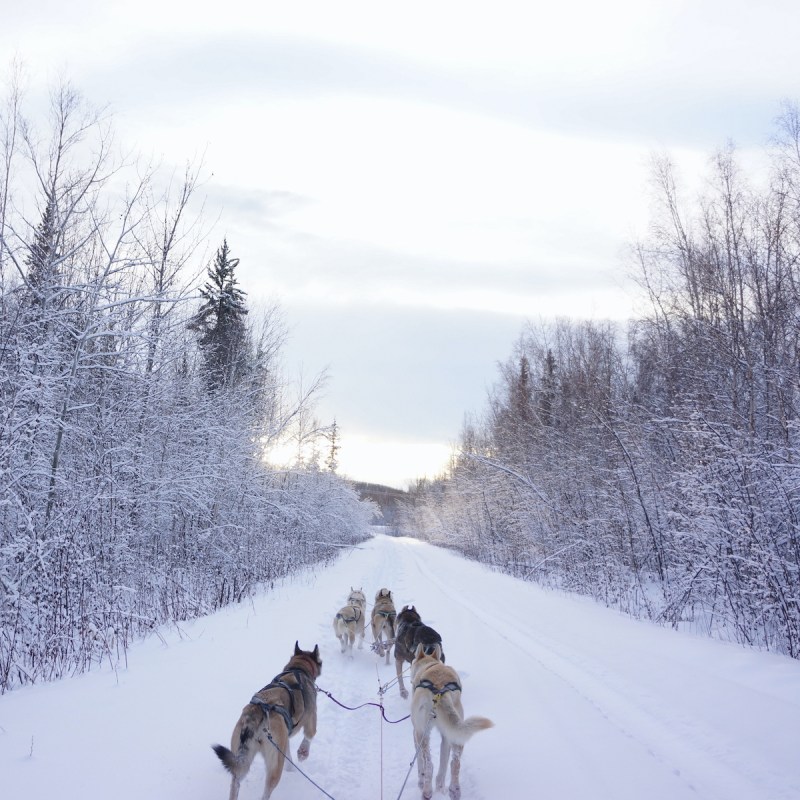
{"type": "Point", "coordinates": [688, 752]}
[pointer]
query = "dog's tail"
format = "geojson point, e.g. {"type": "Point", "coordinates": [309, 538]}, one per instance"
{"type": "Point", "coordinates": [227, 758]}
{"type": "Point", "coordinates": [233, 761]}
{"type": "Point", "coordinates": [457, 730]}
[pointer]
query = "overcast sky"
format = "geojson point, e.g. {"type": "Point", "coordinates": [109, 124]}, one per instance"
{"type": "Point", "coordinates": [413, 181]}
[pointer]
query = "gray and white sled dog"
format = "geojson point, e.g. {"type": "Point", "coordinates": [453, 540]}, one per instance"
{"type": "Point", "coordinates": [436, 703]}
{"type": "Point", "coordinates": [275, 713]}
{"type": "Point", "coordinates": [350, 621]}
{"type": "Point", "coordinates": [383, 618]}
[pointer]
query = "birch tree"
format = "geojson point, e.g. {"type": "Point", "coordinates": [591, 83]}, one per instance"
{"type": "Point", "coordinates": [127, 500]}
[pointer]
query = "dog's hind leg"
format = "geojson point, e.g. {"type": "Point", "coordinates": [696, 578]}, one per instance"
{"type": "Point", "coordinates": [340, 637]}
{"type": "Point", "coordinates": [422, 740]}
{"type": "Point", "coordinates": [427, 767]}
{"type": "Point", "coordinates": [237, 763]}
{"type": "Point", "coordinates": [444, 760]}
{"type": "Point", "coordinates": [275, 762]}
{"type": "Point", "coordinates": [399, 662]}
{"type": "Point", "coordinates": [237, 767]}
{"type": "Point", "coordinates": [387, 646]}
{"type": "Point", "coordinates": [455, 770]}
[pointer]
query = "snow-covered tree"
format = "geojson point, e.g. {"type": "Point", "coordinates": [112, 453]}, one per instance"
{"type": "Point", "coordinates": [656, 472]}
{"type": "Point", "coordinates": [220, 322]}
{"type": "Point", "coordinates": [126, 498]}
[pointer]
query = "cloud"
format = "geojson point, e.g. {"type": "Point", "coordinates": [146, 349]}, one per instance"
{"type": "Point", "coordinates": [412, 182]}
{"type": "Point", "coordinates": [255, 208]}
{"type": "Point", "coordinates": [400, 368]}
{"type": "Point", "coordinates": [659, 98]}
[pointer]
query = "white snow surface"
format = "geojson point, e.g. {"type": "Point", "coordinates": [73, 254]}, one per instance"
{"type": "Point", "coordinates": [587, 703]}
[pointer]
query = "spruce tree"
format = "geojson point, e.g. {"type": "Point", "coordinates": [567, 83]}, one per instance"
{"type": "Point", "coordinates": [220, 322]}
{"type": "Point", "coordinates": [332, 461]}
{"type": "Point", "coordinates": [43, 256]}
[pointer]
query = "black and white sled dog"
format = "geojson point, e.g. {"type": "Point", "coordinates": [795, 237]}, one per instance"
{"type": "Point", "coordinates": [436, 703]}
{"type": "Point", "coordinates": [409, 634]}
{"type": "Point", "coordinates": [383, 619]}
{"type": "Point", "coordinates": [350, 621]}
{"type": "Point", "coordinates": [275, 713]}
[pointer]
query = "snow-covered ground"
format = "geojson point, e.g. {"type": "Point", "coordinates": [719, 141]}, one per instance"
{"type": "Point", "coordinates": [588, 704]}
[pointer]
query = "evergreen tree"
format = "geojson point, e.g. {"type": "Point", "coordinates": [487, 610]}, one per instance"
{"type": "Point", "coordinates": [332, 461]}
{"type": "Point", "coordinates": [547, 396]}
{"type": "Point", "coordinates": [220, 322]}
{"type": "Point", "coordinates": [43, 255]}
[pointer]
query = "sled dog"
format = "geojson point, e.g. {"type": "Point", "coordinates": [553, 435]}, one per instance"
{"type": "Point", "coordinates": [409, 634]}
{"type": "Point", "coordinates": [349, 621]}
{"type": "Point", "coordinates": [436, 703]}
{"type": "Point", "coordinates": [383, 619]}
{"type": "Point", "coordinates": [275, 713]}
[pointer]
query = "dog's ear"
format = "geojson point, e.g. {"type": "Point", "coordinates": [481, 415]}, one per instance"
{"type": "Point", "coordinates": [316, 653]}
{"type": "Point", "coordinates": [434, 650]}
{"type": "Point", "coordinates": [297, 649]}
{"type": "Point", "coordinates": [420, 651]}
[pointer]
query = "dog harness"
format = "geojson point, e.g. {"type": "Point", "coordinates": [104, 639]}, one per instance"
{"type": "Point", "coordinates": [452, 686]}
{"type": "Point", "coordinates": [277, 682]}
{"type": "Point", "coordinates": [387, 614]}
{"type": "Point", "coordinates": [356, 618]}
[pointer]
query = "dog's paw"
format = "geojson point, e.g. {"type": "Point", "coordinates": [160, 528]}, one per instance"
{"type": "Point", "coordinates": [404, 693]}
{"type": "Point", "coordinates": [303, 750]}
{"type": "Point", "coordinates": [455, 793]}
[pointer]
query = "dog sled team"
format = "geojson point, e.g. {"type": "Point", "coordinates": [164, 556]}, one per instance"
{"type": "Point", "coordinates": [288, 704]}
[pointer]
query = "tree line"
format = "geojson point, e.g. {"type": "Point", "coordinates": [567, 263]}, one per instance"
{"type": "Point", "coordinates": [656, 466]}
{"type": "Point", "coordinates": [137, 403]}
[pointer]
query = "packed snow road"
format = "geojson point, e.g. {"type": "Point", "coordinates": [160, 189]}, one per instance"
{"type": "Point", "coordinates": [587, 703]}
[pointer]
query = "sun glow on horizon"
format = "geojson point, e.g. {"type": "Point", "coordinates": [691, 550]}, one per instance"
{"type": "Point", "coordinates": [371, 460]}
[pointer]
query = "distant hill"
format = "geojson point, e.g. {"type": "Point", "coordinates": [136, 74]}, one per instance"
{"type": "Point", "coordinates": [386, 497]}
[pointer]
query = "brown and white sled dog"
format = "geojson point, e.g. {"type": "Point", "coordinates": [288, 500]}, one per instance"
{"type": "Point", "coordinates": [350, 621]}
{"type": "Point", "coordinates": [383, 618]}
{"type": "Point", "coordinates": [410, 632]}
{"type": "Point", "coordinates": [274, 714]}
{"type": "Point", "coordinates": [436, 703]}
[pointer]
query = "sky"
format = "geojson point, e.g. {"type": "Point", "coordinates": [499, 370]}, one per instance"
{"type": "Point", "coordinates": [586, 702]}
{"type": "Point", "coordinates": [414, 182]}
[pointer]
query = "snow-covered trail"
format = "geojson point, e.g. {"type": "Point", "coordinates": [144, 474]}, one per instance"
{"type": "Point", "coordinates": [588, 704]}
